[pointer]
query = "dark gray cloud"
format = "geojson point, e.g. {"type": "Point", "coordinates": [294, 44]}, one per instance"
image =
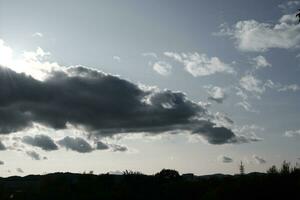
{"type": "Point", "coordinates": [20, 170]}
{"type": "Point", "coordinates": [43, 141]}
{"type": "Point", "coordinates": [76, 144]}
{"type": "Point", "coordinates": [101, 146]}
{"type": "Point", "coordinates": [259, 160]}
{"type": "Point", "coordinates": [103, 104]}
{"type": "Point", "coordinates": [2, 146]}
{"type": "Point", "coordinates": [120, 148]}
{"type": "Point", "coordinates": [34, 155]}
{"type": "Point", "coordinates": [1, 162]}
{"type": "Point", "coordinates": [225, 159]}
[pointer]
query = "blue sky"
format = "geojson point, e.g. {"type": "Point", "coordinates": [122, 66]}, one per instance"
{"type": "Point", "coordinates": [238, 61]}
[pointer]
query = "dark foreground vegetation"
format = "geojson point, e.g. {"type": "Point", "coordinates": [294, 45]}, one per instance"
{"type": "Point", "coordinates": [167, 184]}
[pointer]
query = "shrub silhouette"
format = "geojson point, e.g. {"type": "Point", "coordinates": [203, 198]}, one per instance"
{"type": "Point", "coordinates": [167, 174]}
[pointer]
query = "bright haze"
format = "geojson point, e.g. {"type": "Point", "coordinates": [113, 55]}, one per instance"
{"type": "Point", "coordinates": [105, 86]}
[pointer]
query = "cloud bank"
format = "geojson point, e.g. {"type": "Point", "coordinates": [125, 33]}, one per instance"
{"type": "Point", "coordinates": [103, 104]}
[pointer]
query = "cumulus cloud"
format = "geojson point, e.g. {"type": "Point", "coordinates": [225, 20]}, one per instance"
{"type": "Point", "coordinates": [260, 62]}
{"type": "Point", "coordinates": [103, 104]}
{"type": "Point", "coordinates": [2, 146]}
{"type": "Point", "coordinates": [259, 160]}
{"type": "Point", "coordinates": [225, 159]}
{"type": "Point", "coordinates": [221, 119]}
{"type": "Point", "coordinates": [251, 35]}
{"type": "Point", "coordinates": [200, 64]}
{"type": "Point", "coordinates": [101, 146]}
{"type": "Point", "coordinates": [216, 94]}
{"type": "Point", "coordinates": [76, 144]}
{"type": "Point", "coordinates": [162, 68]}
{"type": "Point", "coordinates": [42, 141]}
{"type": "Point", "coordinates": [34, 155]}
{"type": "Point", "coordinates": [118, 148]}
{"type": "Point", "coordinates": [292, 133]}
{"type": "Point", "coordinates": [251, 84]}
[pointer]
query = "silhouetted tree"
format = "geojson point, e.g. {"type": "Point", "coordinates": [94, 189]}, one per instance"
{"type": "Point", "coordinates": [242, 168]}
{"type": "Point", "coordinates": [167, 174]}
{"type": "Point", "coordinates": [272, 170]}
{"type": "Point", "coordinates": [285, 168]}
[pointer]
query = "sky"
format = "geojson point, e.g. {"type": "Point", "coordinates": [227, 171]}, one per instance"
{"type": "Point", "coordinates": [105, 86]}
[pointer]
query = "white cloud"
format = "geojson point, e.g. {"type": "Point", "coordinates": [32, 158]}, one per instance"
{"type": "Point", "coordinates": [292, 133]}
{"type": "Point", "coordinates": [252, 84]}
{"type": "Point", "coordinates": [6, 54]}
{"type": "Point", "coordinates": [216, 94]}
{"type": "Point", "coordinates": [163, 68]}
{"type": "Point", "coordinates": [117, 58]}
{"type": "Point", "coordinates": [251, 35]}
{"type": "Point", "coordinates": [200, 64]}
{"type": "Point", "coordinates": [32, 63]}
{"type": "Point", "coordinates": [260, 62]}
{"type": "Point", "coordinates": [259, 160]}
{"type": "Point", "coordinates": [37, 34]}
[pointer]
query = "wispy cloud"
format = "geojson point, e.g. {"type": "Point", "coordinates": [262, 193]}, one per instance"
{"type": "Point", "coordinates": [259, 159]}
{"type": "Point", "coordinates": [200, 64]}
{"type": "Point", "coordinates": [162, 68]}
{"type": "Point", "coordinates": [225, 159]}
{"type": "Point", "coordinates": [292, 133]}
{"type": "Point", "coordinates": [38, 34]}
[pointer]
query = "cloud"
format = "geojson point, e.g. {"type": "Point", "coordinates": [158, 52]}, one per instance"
{"type": "Point", "coordinates": [118, 148]}
{"type": "Point", "coordinates": [2, 146]}
{"type": "Point", "coordinates": [162, 68]}
{"type": "Point", "coordinates": [34, 155]}
{"type": "Point", "coordinates": [150, 54]}
{"type": "Point", "coordinates": [6, 54]}
{"type": "Point", "coordinates": [289, 5]}
{"type": "Point", "coordinates": [76, 144]}
{"type": "Point", "coordinates": [43, 141]}
{"type": "Point", "coordinates": [225, 159]}
{"type": "Point", "coordinates": [117, 58]}
{"type": "Point", "coordinates": [292, 133]}
{"type": "Point", "coordinates": [37, 34]}
{"type": "Point", "coordinates": [200, 64]}
{"type": "Point", "coordinates": [251, 84]}
{"type": "Point", "coordinates": [103, 104]}
{"type": "Point", "coordinates": [216, 94]}
{"type": "Point", "coordinates": [251, 35]}
{"type": "Point", "coordinates": [221, 119]}
{"type": "Point", "coordinates": [19, 170]}
{"type": "Point", "coordinates": [1, 162]}
{"type": "Point", "coordinates": [259, 160]}
{"type": "Point", "coordinates": [291, 87]}
{"type": "Point", "coordinates": [260, 62]}
{"type": "Point", "coordinates": [101, 146]}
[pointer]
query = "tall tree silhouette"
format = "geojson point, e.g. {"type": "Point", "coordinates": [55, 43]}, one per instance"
{"type": "Point", "coordinates": [242, 168]}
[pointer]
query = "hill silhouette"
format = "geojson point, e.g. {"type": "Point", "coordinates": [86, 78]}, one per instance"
{"type": "Point", "coordinates": [167, 184]}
